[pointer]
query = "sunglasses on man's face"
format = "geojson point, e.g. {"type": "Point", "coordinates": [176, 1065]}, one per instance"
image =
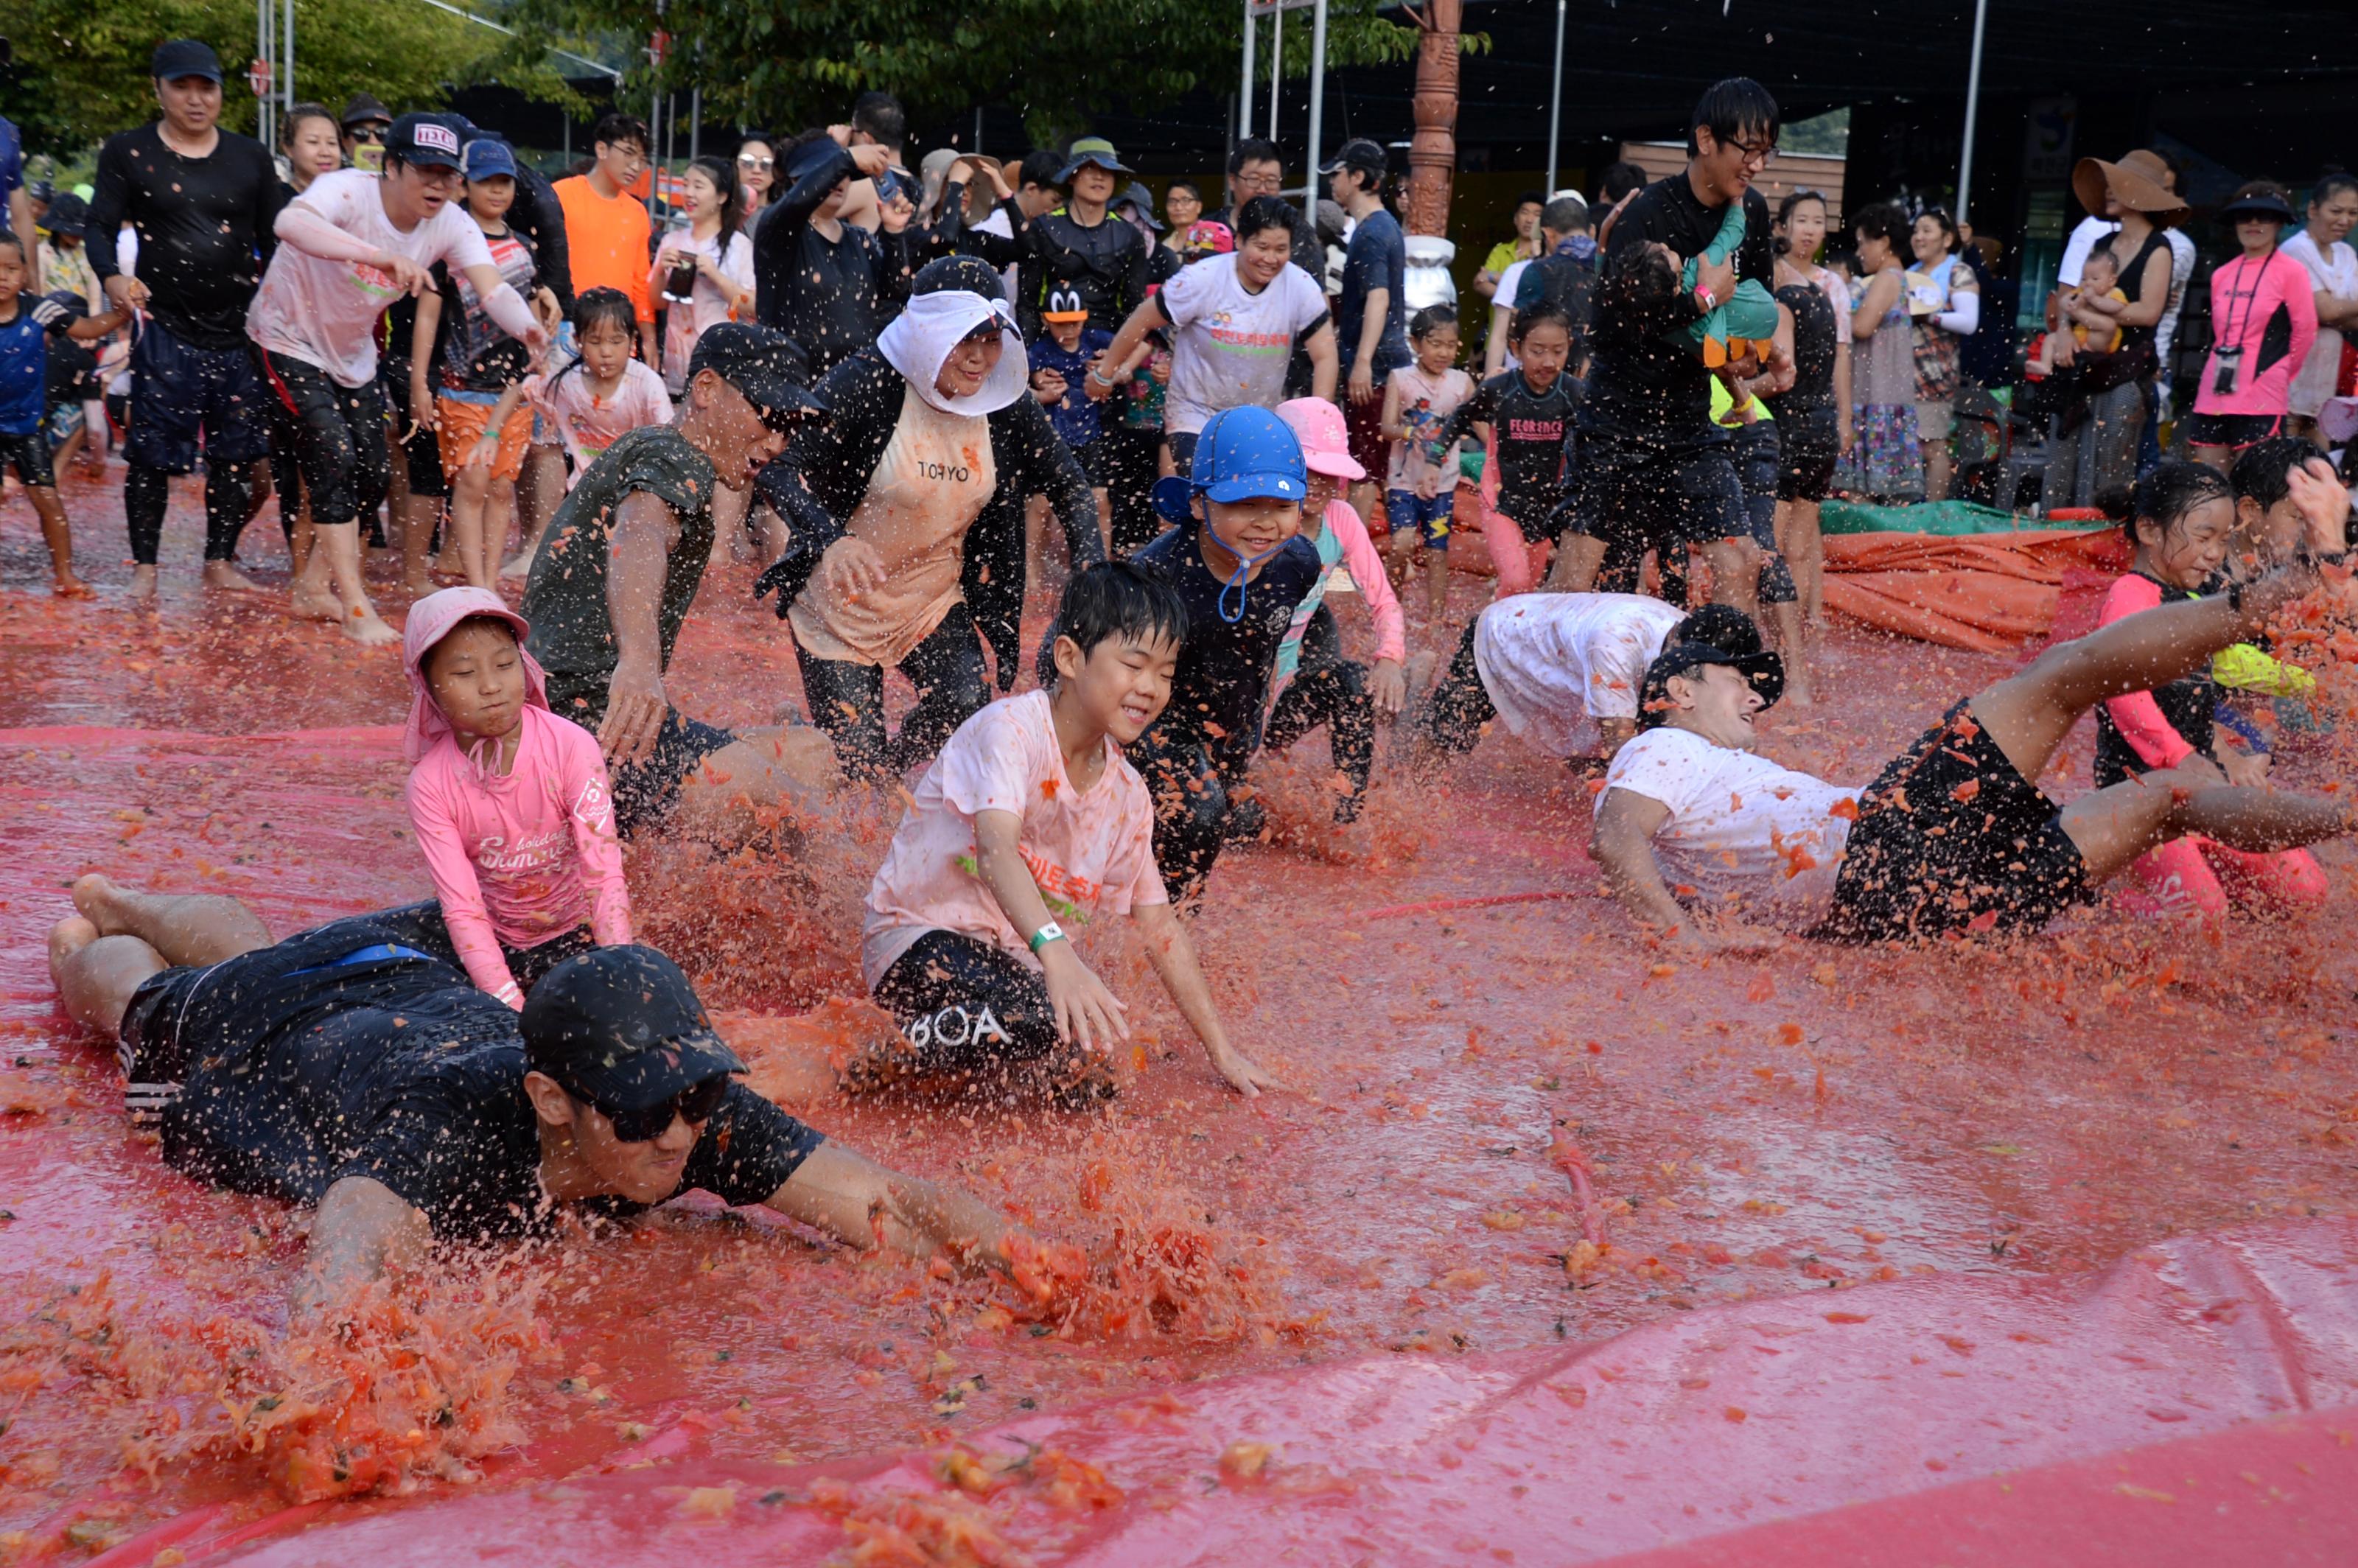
{"type": "Point", "coordinates": [374, 134]}
{"type": "Point", "coordinates": [693, 1105]}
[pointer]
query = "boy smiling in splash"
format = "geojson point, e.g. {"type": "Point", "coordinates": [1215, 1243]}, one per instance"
{"type": "Point", "coordinates": [1029, 817]}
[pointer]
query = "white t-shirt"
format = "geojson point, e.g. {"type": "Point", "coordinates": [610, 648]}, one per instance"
{"type": "Point", "coordinates": [2090, 233]}
{"type": "Point", "coordinates": [997, 223]}
{"type": "Point", "coordinates": [1090, 853]}
{"type": "Point", "coordinates": [2336, 275]}
{"type": "Point", "coordinates": [1229, 348]}
{"type": "Point", "coordinates": [1508, 282]}
{"type": "Point", "coordinates": [324, 312]}
{"type": "Point", "coordinates": [708, 306]}
{"type": "Point", "coordinates": [1555, 663]}
{"type": "Point", "coordinates": [1761, 840]}
{"type": "Point", "coordinates": [587, 424]}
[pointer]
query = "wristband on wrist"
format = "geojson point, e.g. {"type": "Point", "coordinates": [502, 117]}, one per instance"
{"type": "Point", "coordinates": [1052, 931]}
{"type": "Point", "coordinates": [1705, 298]}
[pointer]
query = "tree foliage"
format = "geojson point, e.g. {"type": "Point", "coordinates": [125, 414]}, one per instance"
{"type": "Point", "coordinates": [80, 68]}
{"type": "Point", "coordinates": [790, 63]}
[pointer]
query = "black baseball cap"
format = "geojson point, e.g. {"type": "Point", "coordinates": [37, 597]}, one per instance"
{"type": "Point", "coordinates": [1765, 671]}
{"type": "Point", "coordinates": [427, 141]}
{"type": "Point", "coordinates": [763, 363]}
{"type": "Point", "coordinates": [363, 109]}
{"type": "Point", "coordinates": [184, 57]}
{"type": "Point", "coordinates": [65, 216]}
{"type": "Point", "coordinates": [1360, 153]}
{"type": "Point", "coordinates": [621, 1027]}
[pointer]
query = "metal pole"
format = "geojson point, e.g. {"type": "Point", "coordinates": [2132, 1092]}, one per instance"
{"type": "Point", "coordinates": [288, 97]}
{"type": "Point", "coordinates": [1276, 65]}
{"type": "Point", "coordinates": [1317, 99]}
{"type": "Point", "coordinates": [1245, 97]}
{"type": "Point", "coordinates": [263, 31]}
{"type": "Point", "coordinates": [1973, 104]}
{"type": "Point", "coordinates": [1555, 100]}
{"type": "Point", "coordinates": [695, 121]}
{"type": "Point", "coordinates": [978, 129]}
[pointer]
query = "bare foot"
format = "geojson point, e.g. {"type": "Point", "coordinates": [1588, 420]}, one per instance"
{"type": "Point", "coordinates": [101, 902]}
{"type": "Point", "coordinates": [520, 565]}
{"type": "Point", "coordinates": [142, 582]}
{"type": "Point", "coordinates": [364, 627]}
{"type": "Point", "coordinates": [224, 574]}
{"type": "Point", "coordinates": [68, 586]}
{"type": "Point", "coordinates": [307, 602]}
{"type": "Point", "coordinates": [66, 938]}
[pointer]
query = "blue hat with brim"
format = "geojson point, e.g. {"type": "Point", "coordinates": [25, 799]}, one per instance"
{"type": "Point", "coordinates": [1242, 454]}
{"type": "Point", "coordinates": [488, 158]}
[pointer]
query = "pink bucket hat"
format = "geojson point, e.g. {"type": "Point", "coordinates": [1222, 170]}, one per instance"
{"type": "Point", "coordinates": [433, 618]}
{"type": "Point", "coordinates": [1325, 440]}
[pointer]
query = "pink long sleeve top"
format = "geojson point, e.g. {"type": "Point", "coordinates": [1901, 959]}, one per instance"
{"type": "Point", "coordinates": [1342, 537]}
{"type": "Point", "coordinates": [522, 857]}
{"type": "Point", "coordinates": [2246, 297]}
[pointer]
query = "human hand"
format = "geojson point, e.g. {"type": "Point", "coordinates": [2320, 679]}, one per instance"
{"type": "Point", "coordinates": [484, 452]}
{"type": "Point", "coordinates": [1719, 276]}
{"type": "Point", "coordinates": [424, 415]}
{"type": "Point", "coordinates": [545, 306]}
{"type": "Point", "coordinates": [1158, 367]}
{"type": "Point", "coordinates": [635, 706]}
{"type": "Point", "coordinates": [2323, 505]}
{"type": "Point", "coordinates": [998, 185]}
{"type": "Point", "coordinates": [406, 275]}
{"type": "Point", "coordinates": [1388, 686]}
{"type": "Point", "coordinates": [1099, 391]}
{"type": "Point", "coordinates": [128, 292]}
{"type": "Point", "coordinates": [1846, 434]}
{"type": "Point", "coordinates": [2248, 769]}
{"type": "Point", "coordinates": [1363, 382]}
{"type": "Point", "coordinates": [872, 160]}
{"type": "Point", "coordinates": [849, 568]}
{"type": "Point", "coordinates": [840, 135]}
{"type": "Point", "coordinates": [1244, 1075]}
{"type": "Point", "coordinates": [1086, 1013]}
{"type": "Point", "coordinates": [1050, 386]}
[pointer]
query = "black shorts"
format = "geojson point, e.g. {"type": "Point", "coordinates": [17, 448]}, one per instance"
{"type": "Point", "coordinates": [184, 399]}
{"type": "Point", "coordinates": [1951, 836]}
{"type": "Point", "coordinates": [2235, 431]}
{"type": "Point", "coordinates": [1640, 493]}
{"type": "Point", "coordinates": [1092, 458]}
{"type": "Point", "coordinates": [421, 458]}
{"type": "Point", "coordinates": [969, 1011]}
{"type": "Point", "coordinates": [1811, 447]}
{"type": "Point", "coordinates": [29, 455]}
{"type": "Point", "coordinates": [1756, 447]}
{"type": "Point", "coordinates": [336, 432]}
{"type": "Point", "coordinates": [646, 791]}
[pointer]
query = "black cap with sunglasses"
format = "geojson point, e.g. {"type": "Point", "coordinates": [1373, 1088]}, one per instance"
{"type": "Point", "coordinates": [621, 1029]}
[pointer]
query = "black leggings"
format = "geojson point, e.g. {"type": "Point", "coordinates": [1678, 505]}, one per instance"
{"type": "Point", "coordinates": [965, 1008]}
{"type": "Point", "coordinates": [147, 493]}
{"type": "Point", "coordinates": [1329, 689]}
{"type": "Point", "coordinates": [336, 434]}
{"type": "Point", "coordinates": [1190, 786]}
{"type": "Point", "coordinates": [1460, 708]}
{"type": "Point", "coordinates": [847, 700]}
{"type": "Point", "coordinates": [1129, 469]}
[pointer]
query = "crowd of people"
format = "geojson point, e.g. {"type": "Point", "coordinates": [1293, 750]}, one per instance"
{"type": "Point", "coordinates": [881, 386]}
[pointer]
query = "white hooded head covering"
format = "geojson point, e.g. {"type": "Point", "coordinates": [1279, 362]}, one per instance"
{"type": "Point", "coordinates": [921, 336]}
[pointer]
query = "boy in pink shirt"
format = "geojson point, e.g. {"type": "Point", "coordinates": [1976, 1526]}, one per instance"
{"type": "Point", "coordinates": [510, 801]}
{"type": "Point", "coordinates": [1315, 684]}
{"type": "Point", "coordinates": [1030, 816]}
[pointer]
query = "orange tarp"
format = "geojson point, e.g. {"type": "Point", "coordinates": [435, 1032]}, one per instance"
{"type": "Point", "coordinates": [1990, 592]}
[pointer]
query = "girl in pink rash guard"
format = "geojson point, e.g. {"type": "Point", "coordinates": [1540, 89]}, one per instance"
{"type": "Point", "coordinates": [510, 801]}
{"type": "Point", "coordinates": [2185, 513]}
{"type": "Point", "coordinates": [1315, 684]}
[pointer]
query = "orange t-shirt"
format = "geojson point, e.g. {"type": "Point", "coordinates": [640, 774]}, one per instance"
{"type": "Point", "coordinates": [609, 243]}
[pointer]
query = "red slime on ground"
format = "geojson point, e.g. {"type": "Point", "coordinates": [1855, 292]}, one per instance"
{"type": "Point", "coordinates": [1805, 1121]}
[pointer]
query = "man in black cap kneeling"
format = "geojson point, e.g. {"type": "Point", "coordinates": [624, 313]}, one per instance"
{"type": "Point", "coordinates": [354, 1068]}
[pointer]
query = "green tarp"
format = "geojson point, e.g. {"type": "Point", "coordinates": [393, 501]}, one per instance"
{"type": "Point", "coordinates": [1942, 517]}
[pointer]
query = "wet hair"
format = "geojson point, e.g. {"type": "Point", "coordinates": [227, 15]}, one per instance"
{"type": "Point", "coordinates": [1565, 215]}
{"type": "Point", "coordinates": [1040, 167]}
{"type": "Point", "coordinates": [1253, 149]}
{"type": "Point", "coordinates": [1431, 319]}
{"type": "Point", "coordinates": [1728, 109]}
{"type": "Point", "coordinates": [723, 176]}
{"type": "Point", "coordinates": [465, 623]}
{"type": "Point", "coordinates": [1880, 220]}
{"type": "Point", "coordinates": [616, 129]}
{"type": "Point", "coordinates": [600, 306]}
{"type": "Point", "coordinates": [2170, 492]}
{"type": "Point", "coordinates": [880, 114]}
{"type": "Point", "coordinates": [1538, 315]}
{"type": "Point", "coordinates": [15, 245]}
{"type": "Point", "coordinates": [1530, 198]}
{"type": "Point", "coordinates": [2333, 182]}
{"type": "Point", "coordinates": [1621, 178]}
{"type": "Point", "coordinates": [1263, 213]}
{"type": "Point", "coordinates": [1722, 626]}
{"type": "Point", "coordinates": [1637, 277]}
{"type": "Point", "coordinates": [1188, 185]}
{"type": "Point", "coordinates": [947, 274]}
{"type": "Point", "coordinates": [2263, 470]}
{"type": "Point", "coordinates": [300, 112]}
{"type": "Point", "coordinates": [1123, 599]}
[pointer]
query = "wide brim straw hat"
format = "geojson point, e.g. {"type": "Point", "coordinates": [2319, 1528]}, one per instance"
{"type": "Point", "coordinates": [2139, 182]}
